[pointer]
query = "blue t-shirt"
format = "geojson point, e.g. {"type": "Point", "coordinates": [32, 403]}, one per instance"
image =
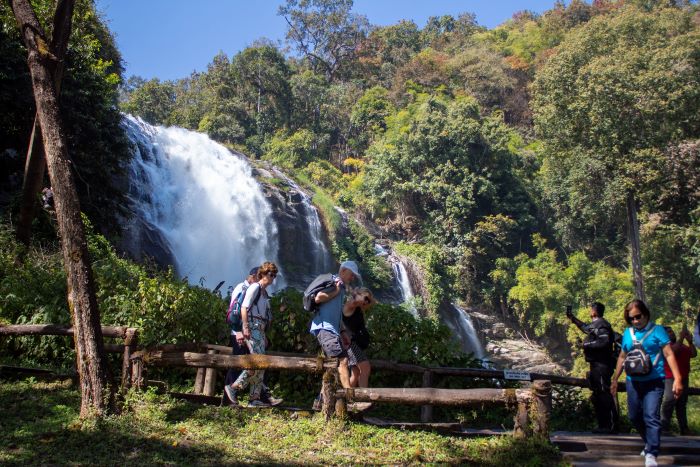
{"type": "Point", "coordinates": [329, 314]}
{"type": "Point", "coordinates": [652, 345]}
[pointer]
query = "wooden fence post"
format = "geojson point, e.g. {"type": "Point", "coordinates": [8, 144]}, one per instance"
{"type": "Point", "coordinates": [341, 405]}
{"type": "Point", "coordinates": [199, 381]}
{"type": "Point", "coordinates": [137, 373]}
{"type": "Point", "coordinates": [521, 429]}
{"type": "Point", "coordinates": [210, 378]}
{"type": "Point", "coordinates": [130, 343]}
{"type": "Point", "coordinates": [426, 411]}
{"type": "Point", "coordinates": [330, 383]}
{"type": "Point", "coordinates": [542, 407]}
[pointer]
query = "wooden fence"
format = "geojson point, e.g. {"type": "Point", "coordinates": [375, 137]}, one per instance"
{"type": "Point", "coordinates": [533, 404]}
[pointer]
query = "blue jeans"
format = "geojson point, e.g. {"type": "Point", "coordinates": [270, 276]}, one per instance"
{"type": "Point", "coordinates": [643, 404]}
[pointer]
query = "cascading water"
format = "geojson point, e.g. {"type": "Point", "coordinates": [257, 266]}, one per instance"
{"type": "Point", "coordinates": [318, 259]}
{"type": "Point", "coordinates": [460, 323]}
{"type": "Point", "coordinates": [201, 201]}
{"type": "Point", "coordinates": [400, 291]}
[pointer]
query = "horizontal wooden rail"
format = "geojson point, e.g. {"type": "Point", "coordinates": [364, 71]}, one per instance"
{"type": "Point", "coordinates": [433, 396]}
{"type": "Point", "coordinates": [253, 362]}
{"type": "Point", "coordinates": [55, 330]}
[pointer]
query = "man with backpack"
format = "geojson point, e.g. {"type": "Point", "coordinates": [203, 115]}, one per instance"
{"type": "Point", "coordinates": [236, 340]}
{"type": "Point", "coordinates": [326, 324]}
{"type": "Point", "coordinates": [599, 351]}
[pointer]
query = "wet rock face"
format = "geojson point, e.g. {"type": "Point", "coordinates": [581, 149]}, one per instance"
{"type": "Point", "coordinates": [303, 247]}
{"type": "Point", "coordinates": [510, 348]}
{"type": "Point", "coordinates": [142, 242]}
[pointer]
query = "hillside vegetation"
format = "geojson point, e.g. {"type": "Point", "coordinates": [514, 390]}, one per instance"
{"type": "Point", "coordinates": [512, 155]}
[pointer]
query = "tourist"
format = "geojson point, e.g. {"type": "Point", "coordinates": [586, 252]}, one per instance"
{"type": "Point", "coordinates": [326, 324]}
{"type": "Point", "coordinates": [358, 303]}
{"type": "Point", "coordinates": [256, 316]}
{"type": "Point", "coordinates": [683, 354]}
{"type": "Point", "coordinates": [598, 351]}
{"type": "Point", "coordinates": [645, 346]}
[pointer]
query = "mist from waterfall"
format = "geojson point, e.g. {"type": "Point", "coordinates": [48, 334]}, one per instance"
{"type": "Point", "coordinates": [202, 201]}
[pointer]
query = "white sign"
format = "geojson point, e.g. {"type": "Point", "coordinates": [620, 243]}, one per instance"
{"type": "Point", "coordinates": [515, 374]}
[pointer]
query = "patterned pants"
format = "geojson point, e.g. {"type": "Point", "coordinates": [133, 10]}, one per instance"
{"type": "Point", "coordinates": [256, 345]}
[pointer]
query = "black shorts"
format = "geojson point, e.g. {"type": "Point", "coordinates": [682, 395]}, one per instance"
{"type": "Point", "coordinates": [331, 344]}
{"type": "Point", "coordinates": [355, 355]}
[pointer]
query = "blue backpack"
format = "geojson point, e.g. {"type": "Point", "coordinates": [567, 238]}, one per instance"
{"type": "Point", "coordinates": [233, 315]}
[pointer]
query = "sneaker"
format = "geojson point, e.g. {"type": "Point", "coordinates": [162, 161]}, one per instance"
{"type": "Point", "coordinates": [258, 403]}
{"type": "Point", "coordinates": [359, 406]}
{"type": "Point", "coordinates": [318, 404]}
{"type": "Point", "coordinates": [272, 401]}
{"type": "Point", "coordinates": [230, 392]}
{"type": "Point", "coordinates": [650, 460]}
{"type": "Point", "coordinates": [643, 453]}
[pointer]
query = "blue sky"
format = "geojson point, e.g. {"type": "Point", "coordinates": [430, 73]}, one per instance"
{"type": "Point", "coordinates": [169, 39]}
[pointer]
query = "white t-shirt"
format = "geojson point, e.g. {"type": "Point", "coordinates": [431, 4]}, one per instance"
{"type": "Point", "coordinates": [262, 308]}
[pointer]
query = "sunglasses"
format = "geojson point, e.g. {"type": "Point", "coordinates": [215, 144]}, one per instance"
{"type": "Point", "coordinates": [635, 317]}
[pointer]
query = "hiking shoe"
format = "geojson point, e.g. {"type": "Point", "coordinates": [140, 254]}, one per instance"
{"type": "Point", "coordinates": [258, 403]}
{"type": "Point", "coordinates": [272, 401]}
{"type": "Point", "coordinates": [318, 404]}
{"type": "Point", "coordinates": [650, 460]}
{"type": "Point", "coordinates": [359, 406]}
{"type": "Point", "coordinates": [230, 392]}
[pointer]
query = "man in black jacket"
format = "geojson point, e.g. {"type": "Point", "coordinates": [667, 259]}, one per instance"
{"type": "Point", "coordinates": [598, 350]}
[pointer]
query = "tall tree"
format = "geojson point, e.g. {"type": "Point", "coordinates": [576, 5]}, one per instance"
{"type": "Point", "coordinates": [35, 167]}
{"type": "Point", "coordinates": [97, 394]}
{"type": "Point", "coordinates": [325, 32]}
{"type": "Point", "coordinates": [615, 94]}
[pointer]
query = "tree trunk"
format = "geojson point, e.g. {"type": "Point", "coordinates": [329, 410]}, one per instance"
{"type": "Point", "coordinates": [635, 249]}
{"type": "Point", "coordinates": [96, 391]}
{"type": "Point", "coordinates": [35, 166]}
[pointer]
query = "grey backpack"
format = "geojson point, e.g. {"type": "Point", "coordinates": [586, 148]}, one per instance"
{"type": "Point", "coordinates": [637, 361]}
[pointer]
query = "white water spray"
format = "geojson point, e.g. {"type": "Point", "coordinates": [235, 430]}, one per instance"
{"type": "Point", "coordinates": [460, 323]}
{"type": "Point", "coordinates": [203, 200]}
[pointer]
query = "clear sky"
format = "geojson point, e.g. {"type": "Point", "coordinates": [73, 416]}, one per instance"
{"type": "Point", "coordinates": [169, 39]}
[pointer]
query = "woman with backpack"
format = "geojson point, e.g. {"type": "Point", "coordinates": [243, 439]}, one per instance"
{"type": "Point", "coordinates": [357, 304]}
{"type": "Point", "coordinates": [645, 347]}
{"type": "Point", "coordinates": [256, 316]}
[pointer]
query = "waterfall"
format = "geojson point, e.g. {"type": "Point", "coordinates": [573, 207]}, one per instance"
{"type": "Point", "coordinates": [401, 292]}
{"type": "Point", "coordinates": [317, 258]}
{"type": "Point", "coordinates": [460, 323]}
{"type": "Point", "coordinates": [201, 202]}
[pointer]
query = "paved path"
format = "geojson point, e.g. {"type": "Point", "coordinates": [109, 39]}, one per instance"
{"type": "Point", "coordinates": [586, 449]}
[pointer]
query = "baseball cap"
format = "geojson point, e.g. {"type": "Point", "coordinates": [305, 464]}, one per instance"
{"type": "Point", "coordinates": [351, 266]}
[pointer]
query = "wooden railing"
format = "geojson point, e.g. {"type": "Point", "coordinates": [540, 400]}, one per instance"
{"type": "Point", "coordinates": [208, 358]}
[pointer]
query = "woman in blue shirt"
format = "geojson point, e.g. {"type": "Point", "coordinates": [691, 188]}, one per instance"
{"type": "Point", "coordinates": [644, 392]}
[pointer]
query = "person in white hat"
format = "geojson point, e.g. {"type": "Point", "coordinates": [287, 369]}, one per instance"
{"type": "Point", "coordinates": [327, 322]}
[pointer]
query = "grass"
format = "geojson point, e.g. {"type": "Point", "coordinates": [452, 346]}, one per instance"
{"type": "Point", "coordinates": [40, 425]}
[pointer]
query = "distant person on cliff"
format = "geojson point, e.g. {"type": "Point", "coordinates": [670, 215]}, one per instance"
{"type": "Point", "coordinates": [359, 301]}
{"type": "Point", "coordinates": [598, 351]}
{"type": "Point", "coordinates": [683, 354]}
{"type": "Point", "coordinates": [327, 324]}
{"type": "Point", "coordinates": [645, 347]}
{"type": "Point", "coordinates": [256, 317]}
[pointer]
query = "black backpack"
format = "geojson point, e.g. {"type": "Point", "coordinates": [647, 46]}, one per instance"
{"type": "Point", "coordinates": [320, 284]}
{"type": "Point", "coordinates": [637, 361]}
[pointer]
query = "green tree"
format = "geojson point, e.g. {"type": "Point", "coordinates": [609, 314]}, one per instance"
{"type": "Point", "coordinates": [151, 100]}
{"type": "Point", "coordinates": [617, 91]}
{"type": "Point", "coordinates": [262, 79]}
{"type": "Point", "coordinates": [325, 32]}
